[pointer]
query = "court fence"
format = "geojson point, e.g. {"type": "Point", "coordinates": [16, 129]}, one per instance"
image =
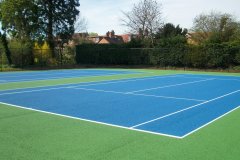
{"type": "Point", "coordinates": [216, 56]}
{"type": "Point", "coordinates": [220, 57]}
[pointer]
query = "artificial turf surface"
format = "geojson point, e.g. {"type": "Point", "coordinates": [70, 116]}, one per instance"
{"type": "Point", "coordinates": [30, 135]}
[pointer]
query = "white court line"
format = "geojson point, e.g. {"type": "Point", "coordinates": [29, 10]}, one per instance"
{"type": "Point", "coordinates": [92, 121]}
{"type": "Point", "coordinates": [210, 122]}
{"type": "Point", "coordinates": [208, 76]}
{"type": "Point", "coordinates": [174, 85]}
{"type": "Point", "coordinates": [168, 115]}
{"type": "Point", "coordinates": [30, 91]}
{"type": "Point", "coordinates": [145, 95]}
{"type": "Point", "coordinates": [50, 78]}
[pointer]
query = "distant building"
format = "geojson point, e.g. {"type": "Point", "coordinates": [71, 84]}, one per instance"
{"type": "Point", "coordinates": [109, 38]}
{"type": "Point", "coordinates": [112, 38]}
{"type": "Point", "coordinates": [196, 38]}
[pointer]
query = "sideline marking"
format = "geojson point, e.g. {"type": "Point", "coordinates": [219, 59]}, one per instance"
{"type": "Point", "coordinates": [210, 122]}
{"type": "Point", "coordinates": [96, 122]}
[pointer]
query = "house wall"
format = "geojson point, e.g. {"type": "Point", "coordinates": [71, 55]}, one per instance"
{"type": "Point", "coordinates": [103, 41]}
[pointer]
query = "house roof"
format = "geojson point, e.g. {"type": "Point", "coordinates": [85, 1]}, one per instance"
{"type": "Point", "coordinates": [113, 40]}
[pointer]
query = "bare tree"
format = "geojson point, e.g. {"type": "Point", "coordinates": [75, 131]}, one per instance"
{"type": "Point", "coordinates": [81, 24]}
{"type": "Point", "coordinates": [145, 16]}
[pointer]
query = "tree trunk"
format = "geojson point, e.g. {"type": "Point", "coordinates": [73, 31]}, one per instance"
{"type": "Point", "coordinates": [50, 37]}
{"type": "Point", "coordinates": [6, 49]}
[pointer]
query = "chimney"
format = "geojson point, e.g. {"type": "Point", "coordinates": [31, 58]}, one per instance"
{"type": "Point", "coordinates": [108, 34]}
{"type": "Point", "coordinates": [112, 34]}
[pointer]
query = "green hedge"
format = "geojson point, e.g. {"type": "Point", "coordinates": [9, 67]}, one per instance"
{"type": "Point", "coordinates": [205, 56]}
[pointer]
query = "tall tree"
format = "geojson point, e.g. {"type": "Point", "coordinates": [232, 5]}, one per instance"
{"type": "Point", "coordinates": [3, 40]}
{"type": "Point", "coordinates": [58, 18]}
{"type": "Point", "coordinates": [214, 26]}
{"type": "Point", "coordinates": [145, 16]}
{"type": "Point", "coordinates": [19, 20]}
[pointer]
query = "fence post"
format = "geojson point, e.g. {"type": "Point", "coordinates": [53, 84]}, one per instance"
{"type": "Point", "coordinates": [1, 60]}
{"type": "Point", "coordinates": [41, 55]}
{"type": "Point", "coordinates": [22, 57]}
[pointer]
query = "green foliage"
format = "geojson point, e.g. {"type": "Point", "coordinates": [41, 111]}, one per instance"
{"type": "Point", "coordinates": [135, 43]}
{"type": "Point", "coordinates": [20, 18]}
{"type": "Point", "coordinates": [31, 21]}
{"type": "Point", "coordinates": [169, 30]}
{"type": "Point", "coordinates": [237, 58]}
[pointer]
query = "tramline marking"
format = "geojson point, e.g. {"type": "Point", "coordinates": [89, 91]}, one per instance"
{"type": "Point", "coordinates": [174, 85]}
{"type": "Point", "coordinates": [182, 110]}
{"type": "Point", "coordinates": [92, 121]}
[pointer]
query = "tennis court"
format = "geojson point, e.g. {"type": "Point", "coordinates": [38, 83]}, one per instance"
{"type": "Point", "coordinates": [174, 105]}
{"type": "Point", "coordinates": [57, 74]}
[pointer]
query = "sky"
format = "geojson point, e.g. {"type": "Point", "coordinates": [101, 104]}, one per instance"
{"type": "Point", "coordinates": [106, 15]}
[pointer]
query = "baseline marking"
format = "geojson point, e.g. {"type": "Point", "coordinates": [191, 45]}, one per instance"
{"type": "Point", "coordinates": [92, 121]}
{"type": "Point", "coordinates": [168, 115]}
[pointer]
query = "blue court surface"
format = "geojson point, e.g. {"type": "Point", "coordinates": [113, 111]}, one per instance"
{"type": "Point", "coordinates": [173, 105]}
{"type": "Point", "coordinates": [57, 74]}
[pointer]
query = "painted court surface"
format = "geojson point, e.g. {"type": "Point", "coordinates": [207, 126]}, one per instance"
{"type": "Point", "coordinates": [172, 105]}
